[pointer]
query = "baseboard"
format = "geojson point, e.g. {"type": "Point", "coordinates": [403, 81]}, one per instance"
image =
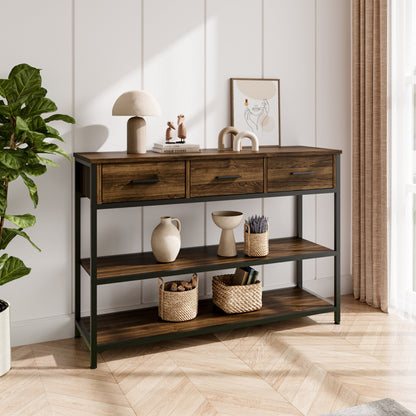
{"type": "Point", "coordinates": [324, 286]}
{"type": "Point", "coordinates": [32, 331]}
{"type": "Point", "coordinates": [52, 328]}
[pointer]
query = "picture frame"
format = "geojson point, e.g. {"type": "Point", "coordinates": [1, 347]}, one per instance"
{"type": "Point", "coordinates": [255, 107]}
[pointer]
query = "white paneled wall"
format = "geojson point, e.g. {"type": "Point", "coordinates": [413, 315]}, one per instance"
{"type": "Point", "coordinates": [41, 303]}
{"type": "Point", "coordinates": [184, 53]}
{"type": "Point", "coordinates": [107, 62]}
{"type": "Point", "coordinates": [233, 50]}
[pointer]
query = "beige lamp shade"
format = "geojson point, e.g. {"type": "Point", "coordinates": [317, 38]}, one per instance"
{"type": "Point", "coordinates": [136, 104]}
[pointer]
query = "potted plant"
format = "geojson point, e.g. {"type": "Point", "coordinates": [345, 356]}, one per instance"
{"type": "Point", "coordinates": [24, 136]}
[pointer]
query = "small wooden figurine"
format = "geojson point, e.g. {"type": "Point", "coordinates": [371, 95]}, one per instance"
{"type": "Point", "coordinates": [181, 128]}
{"type": "Point", "coordinates": [169, 133]}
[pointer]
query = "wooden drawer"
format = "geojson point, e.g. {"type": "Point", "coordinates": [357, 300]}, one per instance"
{"type": "Point", "coordinates": [226, 177]}
{"type": "Point", "coordinates": [143, 181]}
{"type": "Point", "coordinates": [300, 172]}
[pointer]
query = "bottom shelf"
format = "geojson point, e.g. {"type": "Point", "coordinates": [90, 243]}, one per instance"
{"type": "Point", "coordinates": [143, 325]}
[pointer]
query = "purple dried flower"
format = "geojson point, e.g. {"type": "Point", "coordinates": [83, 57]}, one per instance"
{"type": "Point", "coordinates": [257, 224]}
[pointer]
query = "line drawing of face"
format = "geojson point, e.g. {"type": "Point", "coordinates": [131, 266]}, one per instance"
{"type": "Point", "coordinates": [256, 112]}
{"type": "Point", "coordinates": [256, 104]}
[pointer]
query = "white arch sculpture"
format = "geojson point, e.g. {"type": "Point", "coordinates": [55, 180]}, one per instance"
{"type": "Point", "coordinates": [221, 137]}
{"type": "Point", "coordinates": [237, 143]}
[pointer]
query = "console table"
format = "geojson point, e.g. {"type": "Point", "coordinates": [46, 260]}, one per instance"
{"type": "Point", "coordinates": [118, 180]}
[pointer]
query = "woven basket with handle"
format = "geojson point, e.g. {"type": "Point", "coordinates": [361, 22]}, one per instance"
{"type": "Point", "coordinates": [235, 298]}
{"type": "Point", "coordinates": [256, 245]}
{"type": "Point", "coordinates": [178, 306]}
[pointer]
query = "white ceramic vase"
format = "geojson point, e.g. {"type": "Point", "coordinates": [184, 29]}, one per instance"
{"type": "Point", "coordinates": [5, 350]}
{"type": "Point", "coordinates": [166, 240]}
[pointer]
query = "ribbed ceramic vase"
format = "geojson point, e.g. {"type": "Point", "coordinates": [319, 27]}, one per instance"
{"type": "Point", "coordinates": [5, 350]}
{"type": "Point", "coordinates": [166, 240]}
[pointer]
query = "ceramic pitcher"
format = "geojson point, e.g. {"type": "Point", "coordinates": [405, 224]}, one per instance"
{"type": "Point", "coordinates": [166, 240]}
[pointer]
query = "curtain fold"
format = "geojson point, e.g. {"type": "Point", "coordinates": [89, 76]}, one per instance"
{"type": "Point", "coordinates": [370, 216]}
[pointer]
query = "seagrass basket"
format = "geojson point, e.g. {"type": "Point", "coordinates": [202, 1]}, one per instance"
{"type": "Point", "coordinates": [235, 298]}
{"type": "Point", "coordinates": [178, 306]}
{"type": "Point", "coordinates": [256, 245]}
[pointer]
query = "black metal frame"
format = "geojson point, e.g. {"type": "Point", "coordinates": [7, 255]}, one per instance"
{"type": "Point", "coordinates": [90, 336]}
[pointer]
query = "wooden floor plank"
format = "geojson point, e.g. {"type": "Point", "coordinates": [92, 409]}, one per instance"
{"type": "Point", "coordinates": [306, 366]}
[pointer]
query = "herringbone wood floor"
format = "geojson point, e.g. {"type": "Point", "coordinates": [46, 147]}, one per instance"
{"type": "Point", "coordinates": [306, 366]}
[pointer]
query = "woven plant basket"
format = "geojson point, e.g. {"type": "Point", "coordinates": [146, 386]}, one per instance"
{"type": "Point", "coordinates": [235, 298]}
{"type": "Point", "coordinates": [256, 245]}
{"type": "Point", "coordinates": [178, 306]}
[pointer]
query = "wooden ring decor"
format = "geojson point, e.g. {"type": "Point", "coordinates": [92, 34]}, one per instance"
{"type": "Point", "coordinates": [237, 145]}
{"type": "Point", "coordinates": [221, 137]}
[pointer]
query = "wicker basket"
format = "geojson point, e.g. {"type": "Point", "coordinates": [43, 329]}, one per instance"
{"type": "Point", "coordinates": [178, 306]}
{"type": "Point", "coordinates": [256, 245]}
{"type": "Point", "coordinates": [235, 298]}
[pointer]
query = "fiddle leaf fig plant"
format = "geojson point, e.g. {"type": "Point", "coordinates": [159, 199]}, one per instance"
{"type": "Point", "coordinates": [26, 140]}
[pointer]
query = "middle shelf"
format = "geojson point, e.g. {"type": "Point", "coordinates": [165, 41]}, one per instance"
{"type": "Point", "coordinates": [137, 266]}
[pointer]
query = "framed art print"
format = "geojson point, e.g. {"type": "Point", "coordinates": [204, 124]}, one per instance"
{"type": "Point", "coordinates": [255, 106]}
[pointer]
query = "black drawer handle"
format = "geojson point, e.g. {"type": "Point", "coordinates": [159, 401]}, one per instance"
{"type": "Point", "coordinates": [228, 177]}
{"type": "Point", "coordinates": [311, 172]}
{"type": "Point", "coordinates": [155, 180]}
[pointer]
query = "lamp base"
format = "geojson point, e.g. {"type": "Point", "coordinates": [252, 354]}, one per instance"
{"type": "Point", "coordinates": [136, 135]}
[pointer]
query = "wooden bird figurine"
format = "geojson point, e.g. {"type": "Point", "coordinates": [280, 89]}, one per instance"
{"type": "Point", "coordinates": [169, 133]}
{"type": "Point", "coordinates": [181, 128]}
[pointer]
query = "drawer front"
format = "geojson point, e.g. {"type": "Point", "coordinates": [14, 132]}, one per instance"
{"type": "Point", "coordinates": [143, 181]}
{"type": "Point", "coordinates": [300, 172]}
{"type": "Point", "coordinates": [226, 177]}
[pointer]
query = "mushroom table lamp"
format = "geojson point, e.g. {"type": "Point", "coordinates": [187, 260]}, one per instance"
{"type": "Point", "coordinates": [136, 104]}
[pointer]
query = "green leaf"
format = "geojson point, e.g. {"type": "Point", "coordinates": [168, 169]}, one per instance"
{"type": "Point", "coordinates": [41, 92]}
{"type": "Point", "coordinates": [22, 221]}
{"type": "Point", "coordinates": [35, 169]}
{"type": "Point", "coordinates": [33, 190]}
{"type": "Point", "coordinates": [37, 124]}
{"type": "Point", "coordinates": [13, 159]}
{"type": "Point", "coordinates": [38, 106]}
{"type": "Point", "coordinates": [11, 173]}
{"type": "Point", "coordinates": [6, 130]}
{"type": "Point", "coordinates": [21, 124]}
{"type": "Point", "coordinates": [37, 138]}
{"type": "Point", "coordinates": [8, 90]}
{"type": "Point", "coordinates": [3, 87]}
{"type": "Point", "coordinates": [4, 110]}
{"type": "Point", "coordinates": [62, 117]}
{"type": "Point", "coordinates": [53, 148]}
{"type": "Point", "coordinates": [20, 67]}
{"type": "Point", "coordinates": [27, 80]}
{"type": "Point", "coordinates": [47, 161]}
{"type": "Point", "coordinates": [8, 235]}
{"type": "Point", "coordinates": [3, 198]}
{"type": "Point", "coordinates": [3, 259]}
{"type": "Point", "coordinates": [53, 133]}
{"type": "Point", "coordinates": [3, 171]}
{"type": "Point", "coordinates": [13, 268]}
{"type": "Point", "coordinates": [4, 142]}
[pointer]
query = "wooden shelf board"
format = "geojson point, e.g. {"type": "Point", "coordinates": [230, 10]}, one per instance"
{"type": "Point", "coordinates": [145, 326]}
{"type": "Point", "coordinates": [143, 265]}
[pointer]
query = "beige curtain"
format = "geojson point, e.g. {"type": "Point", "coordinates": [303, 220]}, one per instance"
{"type": "Point", "coordinates": [369, 222]}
